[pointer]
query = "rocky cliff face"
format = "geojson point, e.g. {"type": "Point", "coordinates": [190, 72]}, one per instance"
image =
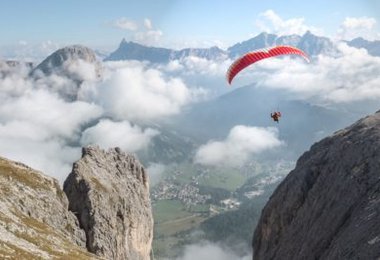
{"type": "Point", "coordinates": [109, 193]}
{"type": "Point", "coordinates": [328, 207]}
{"type": "Point", "coordinates": [34, 220]}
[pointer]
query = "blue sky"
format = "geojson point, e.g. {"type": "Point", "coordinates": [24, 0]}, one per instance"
{"type": "Point", "coordinates": [172, 23]}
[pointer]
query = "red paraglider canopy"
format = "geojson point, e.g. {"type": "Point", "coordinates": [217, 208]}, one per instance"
{"type": "Point", "coordinates": [255, 56]}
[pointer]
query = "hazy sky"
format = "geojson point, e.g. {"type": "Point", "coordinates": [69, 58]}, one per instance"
{"type": "Point", "coordinates": [172, 23]}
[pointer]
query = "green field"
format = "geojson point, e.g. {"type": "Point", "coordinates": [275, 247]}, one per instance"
{"type": "Point", "coordinates": [173, 220]}
{"type": "Point", "coordinates": [229, 179]}
{"type": "Point", "coordinates": [226, 178]}
{"type": "Point", "coordinates": [166, 210]}
{"type": "Point", "coordinates": [170, 216]}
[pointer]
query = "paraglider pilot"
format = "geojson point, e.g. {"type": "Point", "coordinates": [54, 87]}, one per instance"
{"type": "Point", "coordinates": [275, 116]}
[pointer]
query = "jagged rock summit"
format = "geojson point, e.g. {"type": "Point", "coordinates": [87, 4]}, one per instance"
{"type": "Point", "coordinates": [109, 193]}
{"type": "Point", "coordinates": [328, 207]}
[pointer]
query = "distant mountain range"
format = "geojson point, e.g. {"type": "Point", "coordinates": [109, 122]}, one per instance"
{"type": "Point", "coordinates": [373, 47]}
{"type": "Point", "coordinates": [135, 51]}
{"type": "Point", "coordinates": [312, 44]}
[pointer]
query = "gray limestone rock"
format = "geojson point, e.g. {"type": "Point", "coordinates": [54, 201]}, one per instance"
{"type": "Point", "coordinates": [109, 193]}
{"type": "Point", "coordinates": [34, 219]}
{"type": "Point", "coordinates": [328, 207]}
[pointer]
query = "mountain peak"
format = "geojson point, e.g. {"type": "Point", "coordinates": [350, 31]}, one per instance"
{"type": "Point", "coordinates": [260, 41]}
{"type": "Point", "coordinates": [314, 45]}
{"type": "Point", "coordinates": [125, 43]}
{"type": "Point", "coordinates": [69, 53]}
{"type": "Point", "coordinates": [308, 33]}
{"type": "Point", "coordinates": [265, 35]}
{"type": "Point", "coordinates": [64, 63]}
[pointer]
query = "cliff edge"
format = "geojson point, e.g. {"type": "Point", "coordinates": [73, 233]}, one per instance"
{"type": "Point", "coordinates": [34, 220]}
{"type": "Point", "coordinates": [105, 213]}
{"type": "Point", "coordinates": [109, 193]}
{"type": "Point", "coordinates": [328, 207]}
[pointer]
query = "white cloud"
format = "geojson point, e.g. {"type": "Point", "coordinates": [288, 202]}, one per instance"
{"type": "Point", "coordinates": [135, 92]}
{"type": "Point", "coordinates": [359, 23]}
{"type": "Point", "coordinates": [140, 31]}
{"type": "Point", "coordinates": [201, 68]}
{"type": "Point", "coordinates": [36, 123]}
{"type": "Point", "coordinates": [82, 70]}
{"type": "Point", "coordinates": [155, 172]}
{"type": "Point", "coordinates": [45, 114]}
{"type": "Point", "coordinates": [149, 37]}
{"type": "Point", "coordinates": [27, 51]}
{"type": "Point", "coordinates": [22, 42]}
{"type": "Point", "coordinates": [174, 65]}
{"type": "Point", "coordinates": [240, 144]}
{"type": "Point", "coordinates": [65, 87]}
{"type": "Point", "coordinates": [353, 27]}
{"type": "Point", "coordinates": [209, 251]}
{"type": "Point", "coordinates": [37, 127]}
{"type": "Point", "coordinates": [351, 77]}
{"type": "Point", "coordinates": [148, 24]}
{"type": "Point", "coordinates": [125, 24]}
{"type": "Point", "coordinates": [108, 134]}
{"type": "Point", "coordinates": [207, 75]}
{"type": "Point", "coordinates": [271, 22]}
{"type": "Point", "coordinates": [53, 157]}
{"type": "Point", "coordinates": [196, 65]}
{"type": "Point", "coordinates": [13, 81]}
{"type": "Point", "coordinates": [66, 80]}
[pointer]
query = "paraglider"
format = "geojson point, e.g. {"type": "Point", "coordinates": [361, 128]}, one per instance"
{"type": "Point", "coordinates": [255, 56]}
